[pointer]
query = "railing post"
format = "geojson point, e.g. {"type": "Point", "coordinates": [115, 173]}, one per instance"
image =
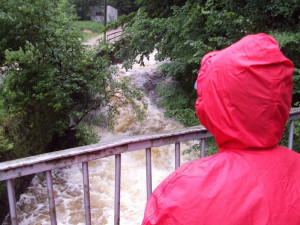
{"type": "Point", "coordinates": [148, 172]}
{"type": "Point", "coordinates": [105, 18]}
{"type": "Point", "coordinates": [12, 202]}
{"type": "Point", "coordinates": [291, 134]}
{"type": "Point", "coordinates": [86, 190]}
{"type": "Point", "coordinates": [177, 155]}
{"type": "Point", "coordinates": [117, 188]}
{"type": "Point", "coordinates": [51, 197]}
{"type": "Point", "coordinates": [203, 145]}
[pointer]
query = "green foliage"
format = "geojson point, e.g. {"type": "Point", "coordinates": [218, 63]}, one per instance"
{"type": "Point", "coordinates": [296, 140]}
{"type": "Point", "coordinates": [82, 7]}
{"type": "Point", "coordinates": [296, 143]}
{"type": "Point", "coordinates": [210, 147]}
{"type": "Point", "coordinates": [177, 103]}
{"type": "Point", "coordinates": [85, 134]}
{"type": "Point", "coordinates": [20, 22]}
{"type": "Point", "coordinates": [296, 89]}
{"type": "Point", "coordinates": [181, 38]}
{"type": "Point", "coordinates": [289, 43]}
{"type": "Point", "coordinates": [6, 145]}
{"type": "Point", "coordinates": [160, 8]}
{"type": "Point", "coordinates": [52, 83]}
{"type": "Point", "coordinates": [120, 22]}
{"type": "Point", "coordinates": [183, 31]}
{"type": "Point", "coordinates": [125, 7]}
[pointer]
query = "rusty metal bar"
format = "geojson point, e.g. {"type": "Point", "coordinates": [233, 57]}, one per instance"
{"type": "Point", "coordinates": [51, 197]}
{"type": "Point", "coordinates": [86, 190]}
{"type": "Point", "coordinates": [117, 188]}
{"type": "Point", "coordinates": [203, 145]}
{"type": "Point", "coordinates": [177, 155]}
{"type": "Point", "coordinates": [12, 202]}
{"type": "Point", "coordinates": [148, 172]}
{"type": "Point", "coordinates": [291, 134]}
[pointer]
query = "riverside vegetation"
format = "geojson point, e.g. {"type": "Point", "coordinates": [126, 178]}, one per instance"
{"type": "Point", "coordinates": [51, 85]}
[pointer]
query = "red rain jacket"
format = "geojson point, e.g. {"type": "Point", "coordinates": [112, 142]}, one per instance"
{"type": "Point", "coordinates": [244, 101]}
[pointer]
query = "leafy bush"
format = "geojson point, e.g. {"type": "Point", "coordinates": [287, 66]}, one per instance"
{"type": "Point", "coordinates": [6, 144]}
{"type": "Point", "coordinates": [122, 20]}
{"type": "Point", "coordinates": [210, 147]}
{"type": "Point", "coordinates": [177, 103]}
{"type": "Point", "coordinates": [53, 83]}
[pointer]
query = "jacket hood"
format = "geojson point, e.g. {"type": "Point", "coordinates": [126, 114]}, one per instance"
{"type": "Point", "coordinates": [244, 93]}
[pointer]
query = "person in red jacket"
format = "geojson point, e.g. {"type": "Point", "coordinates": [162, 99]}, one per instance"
{"type": "Point", "coordinates": [244, 99]}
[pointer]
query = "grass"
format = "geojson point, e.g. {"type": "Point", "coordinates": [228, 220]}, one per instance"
{"type": "Point", "coordinates": [86, 36]}
{"type": "Point", "coordinates": [95, 27]}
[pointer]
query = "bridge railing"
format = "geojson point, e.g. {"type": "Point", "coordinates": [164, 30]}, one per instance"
{"type": "Point", "coordinates": [115, 36]}
{"type": "Point", "coordinates": [54, 160]}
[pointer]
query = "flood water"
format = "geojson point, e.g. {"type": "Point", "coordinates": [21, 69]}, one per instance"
{"type": "Point", "coordinates": [33, 205]}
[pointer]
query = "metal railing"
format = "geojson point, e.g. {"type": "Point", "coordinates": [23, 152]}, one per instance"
{"type": "Point", "coordinates": [54, 160]}
{"type": "Point", "coordinates": [115, 36]}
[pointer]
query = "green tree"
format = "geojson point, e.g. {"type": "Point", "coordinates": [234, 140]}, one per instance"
{"type": "Point", "coordinates": [159, 9]}
{"type": "Point", "coordinates": [82, 7]}
{"type": "Point", "coordinates": [53, 83]}
{"type": "Point", "coordinates": [182, 32]}
{"type": "Point", "coordinates": [125, 6]}
{"type": "Point", "coordinates": [51, 86]}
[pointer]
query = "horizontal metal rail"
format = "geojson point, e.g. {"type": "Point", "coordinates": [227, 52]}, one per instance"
{"type": "Point", "coordinates": [115, 35]}
{"type": "Point", "coordinates": [54, 160]}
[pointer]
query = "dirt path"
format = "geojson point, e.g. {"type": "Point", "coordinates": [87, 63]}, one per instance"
{"type": "Point", "coordinates": [111, 35]}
